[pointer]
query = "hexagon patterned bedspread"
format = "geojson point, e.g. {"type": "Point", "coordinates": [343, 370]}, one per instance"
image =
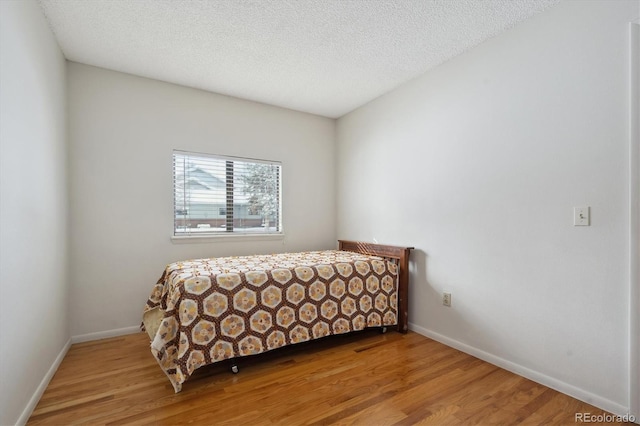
{"type": "Point", "coordinates": [221, 308]}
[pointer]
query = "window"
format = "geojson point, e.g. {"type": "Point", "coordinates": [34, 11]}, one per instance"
{"type": "Point", "coordinates": [216, 195]}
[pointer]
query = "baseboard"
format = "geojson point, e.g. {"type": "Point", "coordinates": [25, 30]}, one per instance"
{"type": "Point", "coordinates": [105, 334]}
{"type": "Point", "coordinates": [26, 413]}
{"type": "Point", "coordinates": [520, 370]}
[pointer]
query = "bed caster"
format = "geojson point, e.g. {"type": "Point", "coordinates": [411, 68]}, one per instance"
{"type": "Point", "coordinates": [234, 369]}
{"type": "Point", "coordinates": [383, 330]}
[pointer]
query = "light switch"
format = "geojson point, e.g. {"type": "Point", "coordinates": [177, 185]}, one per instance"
{"type": "Point", "coordinates": [581, 216]}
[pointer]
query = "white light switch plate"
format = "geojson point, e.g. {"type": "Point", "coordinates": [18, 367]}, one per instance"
{"type": "Point", "coordinates": [581, 216]}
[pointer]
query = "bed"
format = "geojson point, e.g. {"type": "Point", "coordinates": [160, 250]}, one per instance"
{"type": "Point", "coordinates": [205, 311]}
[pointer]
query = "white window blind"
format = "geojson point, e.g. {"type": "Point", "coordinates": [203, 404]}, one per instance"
{"type": "Point", "coordinates": [216, 195]}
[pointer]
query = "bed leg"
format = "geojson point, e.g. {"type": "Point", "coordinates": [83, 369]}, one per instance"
{"type": "Point", "coordinates": [383, 330]}
{"type": "Point", "coordinates": [234, 368]}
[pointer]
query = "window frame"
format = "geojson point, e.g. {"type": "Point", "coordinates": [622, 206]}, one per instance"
{"type": "Point", "coordinates": [187, 237]}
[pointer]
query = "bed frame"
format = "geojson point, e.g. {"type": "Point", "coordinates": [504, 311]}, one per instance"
{"type": "Point", "coordinates": [397, 255]}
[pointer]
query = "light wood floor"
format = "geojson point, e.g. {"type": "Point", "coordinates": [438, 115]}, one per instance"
{"type": "Point", "coordinates": [364, 378]}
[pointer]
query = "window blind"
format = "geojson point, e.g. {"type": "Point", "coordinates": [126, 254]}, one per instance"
{"type": "Point", "coordinates": [217, 195]}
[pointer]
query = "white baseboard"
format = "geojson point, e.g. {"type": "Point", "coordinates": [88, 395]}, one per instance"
{"type": "Point", "coordinates": [105, 334]}
{"type": "Point", "coordinates": [543, 379]}
{"type": "Point", "coordinates": [33, 402]}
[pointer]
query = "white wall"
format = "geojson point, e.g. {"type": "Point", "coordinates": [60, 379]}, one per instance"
{"type": "Point", "coordinates": [33, 206]}
{"type": "Point", "coordinates": [478, 164]}
{"type": "Point", "coordinates": [122, 132]}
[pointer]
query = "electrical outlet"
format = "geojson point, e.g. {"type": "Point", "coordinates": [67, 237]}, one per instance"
{"type": "Point", "coordinates": [446, 299]}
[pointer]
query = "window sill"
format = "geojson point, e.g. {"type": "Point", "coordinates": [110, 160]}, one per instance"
{"type": "Point", "coordinates": [196, 239]}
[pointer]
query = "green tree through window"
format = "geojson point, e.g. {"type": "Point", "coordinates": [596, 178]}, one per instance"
{"type": "Point", "coordinates": [261, 182]}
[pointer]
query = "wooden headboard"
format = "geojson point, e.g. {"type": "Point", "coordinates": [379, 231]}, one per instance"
{"type": "Point", "coordinates": [398, 255]}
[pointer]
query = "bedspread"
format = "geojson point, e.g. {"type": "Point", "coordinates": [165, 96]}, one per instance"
{"type": "Point", "coordinates": [221, 308]}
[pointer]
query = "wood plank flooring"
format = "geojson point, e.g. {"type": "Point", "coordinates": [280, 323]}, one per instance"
{"type": "Point", "coordinates": [363, 378]}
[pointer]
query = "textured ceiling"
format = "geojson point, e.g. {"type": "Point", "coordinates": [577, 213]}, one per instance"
{"type": "Point", "coordinates": [325, 57]}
